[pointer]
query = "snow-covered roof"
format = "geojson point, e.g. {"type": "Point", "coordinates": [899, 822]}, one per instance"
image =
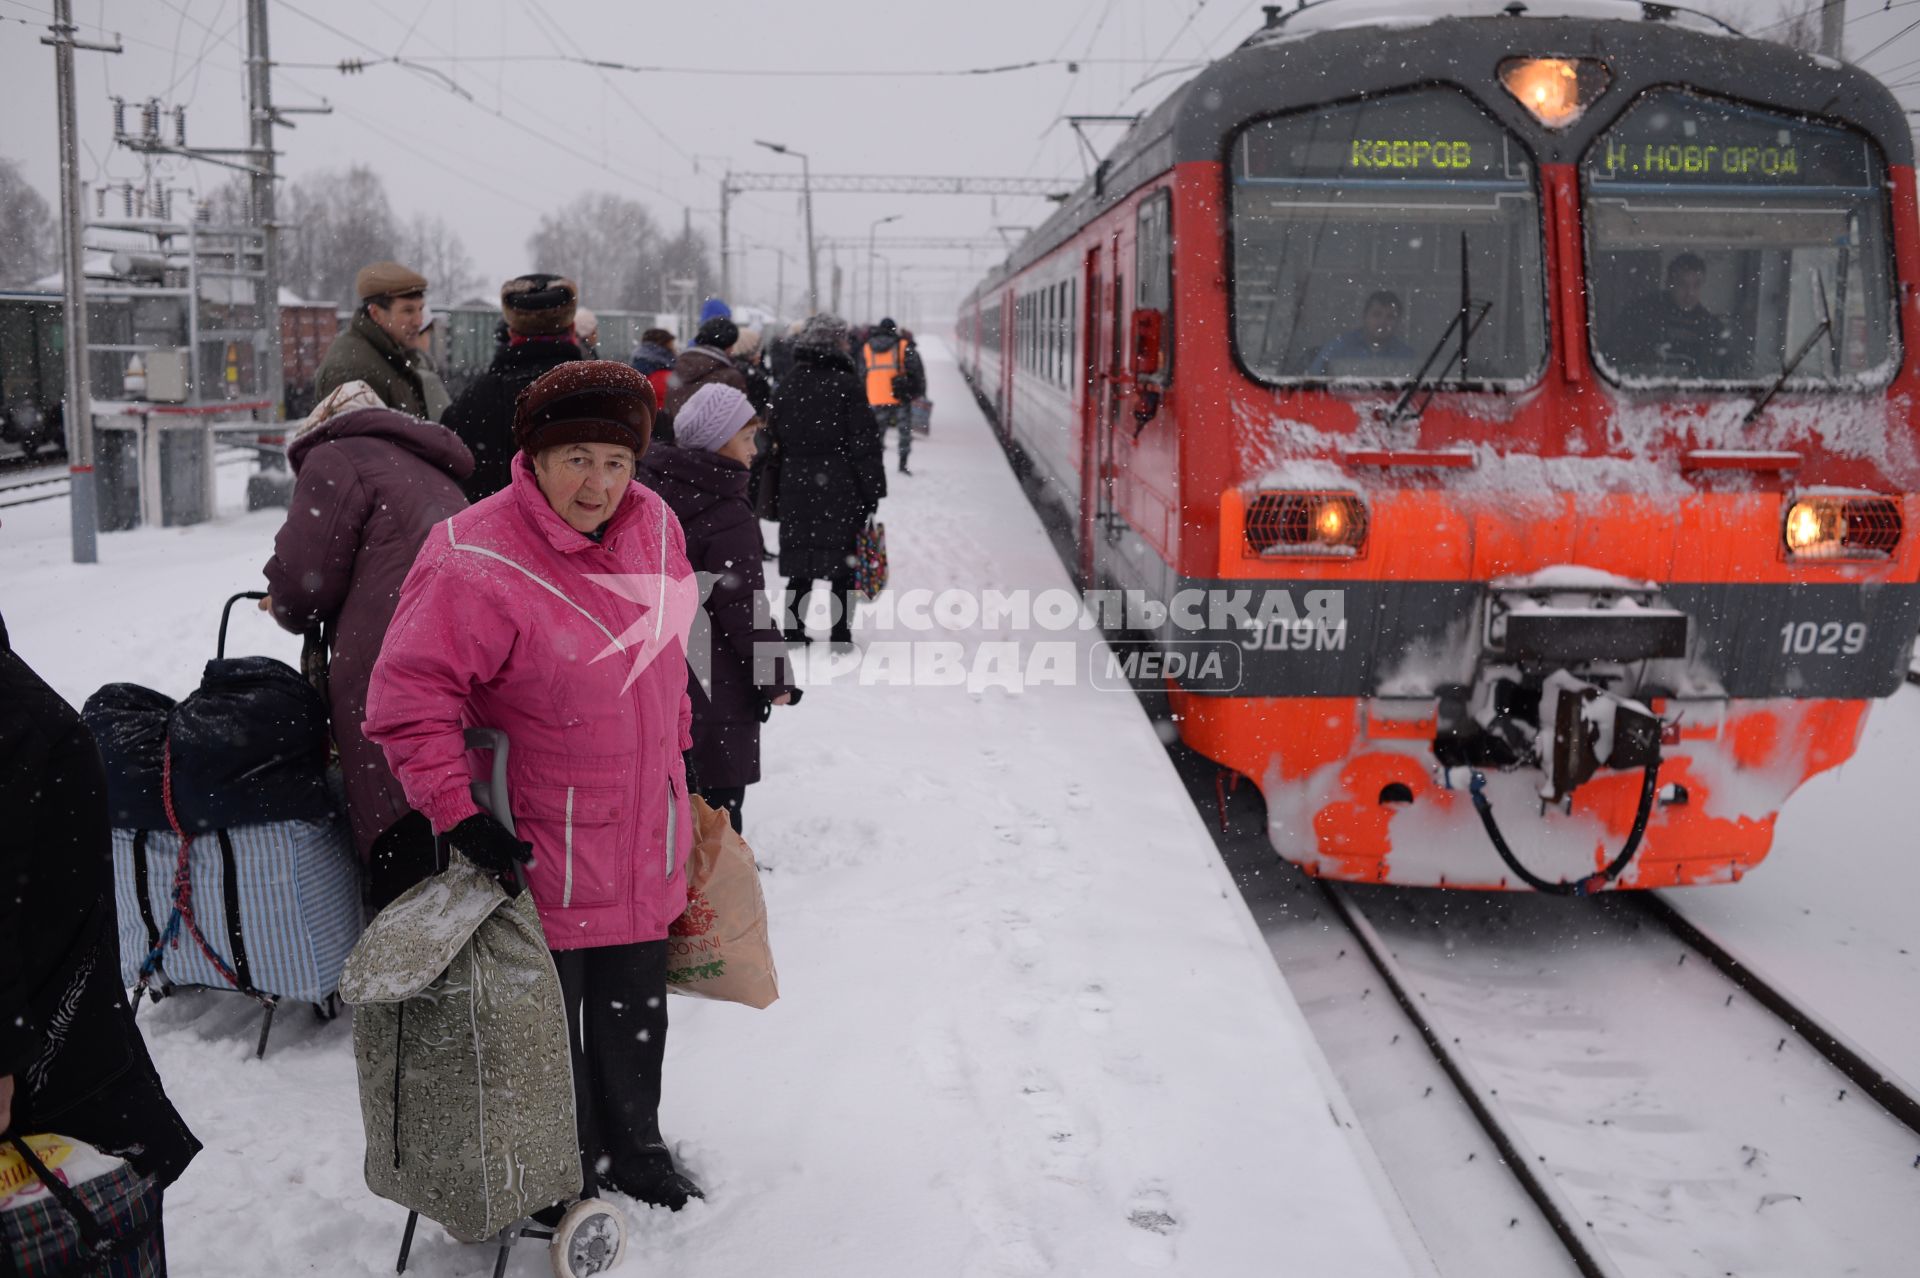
{"type": "Point", "coordinates": [1335, 15]}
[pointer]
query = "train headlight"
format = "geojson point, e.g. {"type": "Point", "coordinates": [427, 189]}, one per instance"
{"type": "Point", "coordinates": [1841, 527]}
{"type": "Point", "coordinates": [1555, 91]}
{"type": "Point", "coordinates": [1328, 524]}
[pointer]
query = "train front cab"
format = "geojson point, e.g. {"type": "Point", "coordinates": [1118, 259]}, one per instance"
{"type": "Point", "coordinates": [1640, 592]}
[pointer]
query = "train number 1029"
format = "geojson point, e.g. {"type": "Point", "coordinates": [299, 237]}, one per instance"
{"type": "Point", "coordinates": [1828, 638]}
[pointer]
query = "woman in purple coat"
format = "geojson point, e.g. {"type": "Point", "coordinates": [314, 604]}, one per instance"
{"type": "Point", "coordinates": [704, 475]}
{"type": "Point", "coordinates": [370, 482]}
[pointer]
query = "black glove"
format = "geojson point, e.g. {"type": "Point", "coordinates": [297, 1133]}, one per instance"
{"type": "Point", "coordinates": [485, 842]}
{"type": "Point", "coordinates": [766, 703]}
{"type": "Point", "coordinates": [693, 773]}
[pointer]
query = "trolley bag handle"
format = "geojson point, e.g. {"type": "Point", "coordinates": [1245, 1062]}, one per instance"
{"type": "Point", "coordinates": [491, 796]}
{"type": "Point", "coordinates": [227, 612]}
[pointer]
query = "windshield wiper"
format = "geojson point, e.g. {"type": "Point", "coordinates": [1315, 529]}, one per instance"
{"type": "Point", "coordinates": [1466, 324]}
{"type": "Point", "coordinates": [1823, 329]}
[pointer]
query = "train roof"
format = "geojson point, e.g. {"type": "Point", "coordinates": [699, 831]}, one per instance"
{"type": "Point", "coordinates": [1338, 50]}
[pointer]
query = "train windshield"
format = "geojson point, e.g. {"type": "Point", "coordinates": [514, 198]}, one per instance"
{"type": "Point", "coordinates": [1375, 239]}
{"type": "Point", "coordinates": [1728, 246]}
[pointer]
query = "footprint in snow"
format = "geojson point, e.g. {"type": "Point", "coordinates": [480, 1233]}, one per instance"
{"type": "Point", "coordinates": [1150, 1213]}
{"type": "Point", "coordinates": [1095, 1010]}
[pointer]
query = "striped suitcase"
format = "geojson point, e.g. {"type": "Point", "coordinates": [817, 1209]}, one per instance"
{"type": "Point", "coordinates": [278, 903]}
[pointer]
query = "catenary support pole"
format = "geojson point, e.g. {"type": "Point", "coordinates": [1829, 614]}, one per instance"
{"type": "Point", "coordinates": [1833, 25]}
{"type": "Point", "coordinates": [260, 136]}
{"type": "Point", "coordinates": [78, 414]}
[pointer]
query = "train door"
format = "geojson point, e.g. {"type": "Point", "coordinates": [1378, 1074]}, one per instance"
{"type": "Point", "coordinates": [1104, 400]}
{"type": "Point", "coordinates": [1092, 414]}
{"type": "Point", "coordinates": [1008, 352]}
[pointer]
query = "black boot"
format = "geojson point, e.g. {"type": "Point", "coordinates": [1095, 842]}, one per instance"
{"type": "Point", "coordinates": [658, 1183]}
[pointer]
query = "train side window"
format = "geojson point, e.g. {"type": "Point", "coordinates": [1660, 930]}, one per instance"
{"type": "Point", "coordinates": [1727, 245]}
{"type": "Point", "coordinates": [1153, 267]}
{"type": "Point", "coordinates": [1364, 234]}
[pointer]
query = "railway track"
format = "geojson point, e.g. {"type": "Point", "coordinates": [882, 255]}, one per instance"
{"type": "Point", "coordinates": [1398, 1059]}
{"type": "Point", "coordinates": [46, 483]}
{"type": "Point", "coordinates": [33, 486]}
{"type": "Point", "coordinates": [1606, 1232]}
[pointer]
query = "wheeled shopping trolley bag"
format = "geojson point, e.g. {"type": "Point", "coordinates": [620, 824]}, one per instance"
{"type": "Point", "coordinates": [233, 863]}
{"type": "Point", "coordinates": [466, 1078]}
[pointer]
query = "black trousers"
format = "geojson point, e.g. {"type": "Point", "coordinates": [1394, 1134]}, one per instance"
{"type": "Point", "coordinates": [616, 998]}
{"type": "Point", "coordinates": [730, 797]}
{"type": "Point", "coordinates": [841, 583]}
{"type": "Point", "coordinates": [402, 856]}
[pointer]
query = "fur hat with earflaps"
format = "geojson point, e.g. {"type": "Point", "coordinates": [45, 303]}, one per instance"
{"type": "Point", "coordinates": [539, 305]}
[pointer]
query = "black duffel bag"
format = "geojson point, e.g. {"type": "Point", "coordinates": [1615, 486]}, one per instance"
{"type": "Point", "coordinates": [249, 745]}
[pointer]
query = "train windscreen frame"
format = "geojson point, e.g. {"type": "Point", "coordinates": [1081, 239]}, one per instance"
{"type": "Point", "coordinates": [1349, 225]}
{"type": "Point", "coordinates": [1726, 241]}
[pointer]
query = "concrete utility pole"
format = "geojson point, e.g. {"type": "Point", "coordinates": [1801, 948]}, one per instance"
{"type": "Point", "coordinates": [806, 199]}
{"type": "Point", "coordinates": [73, 278]}
{"type": "Point", "coordinates": [871, 229]}
{"type": "Point", "coordinates": [260, 136]}
{"type": "Point", "coordinates": [726, 246]}
{"type": "Point", "coordinates": [1833, 24]}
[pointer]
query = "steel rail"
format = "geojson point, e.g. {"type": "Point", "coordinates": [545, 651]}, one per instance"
{"type": "Point", "coordinates": [1854, 1062]}
{"type": "Point", "coordinates": [1567, 1224]}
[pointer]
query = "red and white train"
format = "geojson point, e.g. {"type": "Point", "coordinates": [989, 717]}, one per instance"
{"type": "Point", "coordinates": [1515, 407]}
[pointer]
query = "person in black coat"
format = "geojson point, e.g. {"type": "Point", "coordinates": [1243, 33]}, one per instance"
{"type": "Point", "coordinates": [71, 1060]}
{"type": "Point", "coordinates": [539, 313]}
{"type": "Point", "coordinates": [703, 477]}
{"type": "Point", "coordinates": [831, 476]}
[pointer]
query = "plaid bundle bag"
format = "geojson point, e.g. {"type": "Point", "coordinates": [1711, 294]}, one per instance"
{"type": "Point", "coordinates": [870, 560]}
{"type": "Point", "coordinates": [66, 1208]}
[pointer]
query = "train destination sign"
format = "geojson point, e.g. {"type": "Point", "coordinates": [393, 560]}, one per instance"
{"type": "Point", "coordinates": [1427, 134]}
{"type": "Point", "coordinates": [1679, 138]}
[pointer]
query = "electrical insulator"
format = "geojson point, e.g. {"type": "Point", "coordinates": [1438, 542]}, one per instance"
{"type": "Point", "coordinates": [100, 201]}
{"type": "Point", "coordinates": [126, 198]}
{"type": "Point", "coordinates": [179, 126]}
{"type": "Point", "coordinates": [119, 117]}
{"type": "Point", "coordinates": [150, 119]}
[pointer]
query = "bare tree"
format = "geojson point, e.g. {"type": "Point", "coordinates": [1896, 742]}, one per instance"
{"type": "Point", "coordinates": [29, 242]}
{"type": "Point", "coordinates": [436, 250]}
{"type": "Point", "coordinates": [1796, 23]}
{"type": "Point", "coordinates": [686, 256]}
{"type": "Point", "coordinates": [335, 223]}
{"type": "Point", "coordinates": [602, 242]}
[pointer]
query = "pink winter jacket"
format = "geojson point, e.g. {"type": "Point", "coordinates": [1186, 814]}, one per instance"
{"type": "Point", "coordinates": [510, 619]}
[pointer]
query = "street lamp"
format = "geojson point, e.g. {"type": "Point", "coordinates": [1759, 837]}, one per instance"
{"type": "Point", "coordinates": [887, 262]}
{"type": "Point", "coordinates": [806, 192]}
{"type": "Point", "coordinates": [871, 229]}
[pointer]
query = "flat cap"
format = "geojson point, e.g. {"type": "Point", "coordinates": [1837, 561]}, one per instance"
{"type": "Point", "coordinates": [587, 401]}
{"type": "Point", "coordinates": [539, 305]}
{"type": "Point", "coordinates": [387, 279]}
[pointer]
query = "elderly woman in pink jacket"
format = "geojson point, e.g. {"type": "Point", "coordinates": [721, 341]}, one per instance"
{"type": "Point", "coordinates": [557, 610]}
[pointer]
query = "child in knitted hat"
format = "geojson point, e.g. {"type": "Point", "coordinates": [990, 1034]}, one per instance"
{"type": "Point", "coordinates": [743, 672]}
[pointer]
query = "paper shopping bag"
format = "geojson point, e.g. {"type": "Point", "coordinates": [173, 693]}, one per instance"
{"type": "Point", "coordinates": [718, 948]}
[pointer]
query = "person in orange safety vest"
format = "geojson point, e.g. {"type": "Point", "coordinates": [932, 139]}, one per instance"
{"type": "Point", "coordinates": [895, 378]}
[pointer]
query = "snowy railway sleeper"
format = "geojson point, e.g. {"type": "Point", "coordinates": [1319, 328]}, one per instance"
{"type": "Point", "coordinates": [1516, 410]}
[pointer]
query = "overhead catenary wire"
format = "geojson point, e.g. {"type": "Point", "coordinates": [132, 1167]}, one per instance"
{"type": "Point", "coordinates": [741, 73]}
{"type": "Point", "coordinates": [547, 140]}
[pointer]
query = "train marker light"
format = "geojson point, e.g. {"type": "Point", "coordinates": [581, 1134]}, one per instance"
{"type": "Point", "coordinates": [1842, 527]}
{"type": "Point", "coordinates": [1315, 524]}
{"type": "Point", "coordinates": [1556, 91]}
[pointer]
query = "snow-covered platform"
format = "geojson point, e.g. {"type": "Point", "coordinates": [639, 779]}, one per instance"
{"type": "Point", "coordinates": [1027, 1025]}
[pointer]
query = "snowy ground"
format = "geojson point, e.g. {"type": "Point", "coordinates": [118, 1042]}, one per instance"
{"type": "Point", "coordinates": [1027, 1027]}
{"type": "Point", "coordinates": [1830, 914]}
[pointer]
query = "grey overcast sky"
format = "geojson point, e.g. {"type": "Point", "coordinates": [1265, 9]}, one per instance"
{"type": "Point", "coordinates": [511, 132]}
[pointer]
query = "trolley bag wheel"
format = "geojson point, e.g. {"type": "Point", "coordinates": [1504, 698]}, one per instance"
{"type": "Point", "coordinates": [590, 1239]}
